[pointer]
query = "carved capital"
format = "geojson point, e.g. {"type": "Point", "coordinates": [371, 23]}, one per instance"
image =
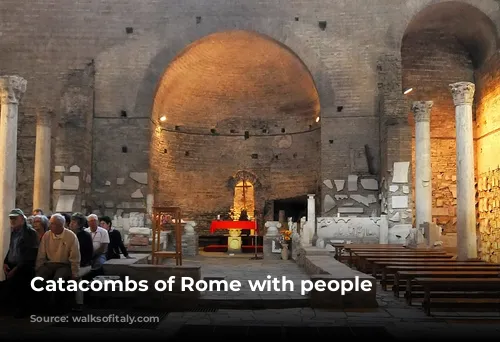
{"type": "Point", "coordinates": [12, 89]}
{"type": "Point", "coordinates": [44, 117]}
{"type": "Point", "coordinates": [422, 110]}
{"type": "Point", "coordinates": [463, 93]}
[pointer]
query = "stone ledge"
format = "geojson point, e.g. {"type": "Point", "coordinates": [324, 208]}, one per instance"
{"type": "Point", "coordinates": [321, 266]}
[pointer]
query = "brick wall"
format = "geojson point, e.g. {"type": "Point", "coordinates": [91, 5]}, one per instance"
{"type": "Point", "coordinates": [487, 156]}
{"type": "Point", "coordinates": [351, 51]}
{"type": "Point", "coordinates": [431, 61]}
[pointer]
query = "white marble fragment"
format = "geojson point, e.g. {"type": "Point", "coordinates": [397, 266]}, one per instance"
{"type": "Point", "coordinates": [107, 183]}
{"type": "Point", "coordinates": [139, 177]}
{"type": "Point", "coordinates": [329, 203]}
{"type": "Point", "coordinates": [65, 203]}
{"type": "Point", "coordinates": [74, 169]}
{"type": "Point", "coordinates": [399, 202]}
{"type": "Point", "coordinates": [341, 197]}
{"type": "Point", "coordinates": [400, 173]}
{"type": "Point", "coordinates": [393, 188]}
{"type": "Point", "coordinates": [369, 184]}
{"type": "Point", "coordinates": [59, 168]}
{"type": "Point", "coordinates": [351, 210]}
{"type": "Point", "coordinates": [137, 194]}
{"type": "Point", "coordinates": [406, 189]}
{"type": "Point", "coordinates": [352, 183]}
{"type": "Point", "coordinates": [339, 184]}
{"type": "Point", "coordinates": [88, 179]}
{"type": "Point", "coordinates": [68, 183]}
{"type": "Point", "coordinates": [360, 199]}
{"type": "Point", "coordinates": [328, 183]}
{"type": "Point", "coordinates": [396, 217]}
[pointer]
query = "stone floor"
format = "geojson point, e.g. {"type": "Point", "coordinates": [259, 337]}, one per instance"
{"type": "Point", "coordinates": [398, 319]}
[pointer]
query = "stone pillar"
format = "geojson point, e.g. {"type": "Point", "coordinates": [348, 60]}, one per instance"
{"type": "Point", "coordinates": [11, 90]}
{"type": "Point", "coordinates": [423, 170]}
{"type": "Point", "coordinates": [41, 189]}
{"type": "Point", "coordinates": [463, 96]}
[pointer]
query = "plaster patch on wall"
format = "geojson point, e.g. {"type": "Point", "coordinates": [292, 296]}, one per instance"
{"type": "Point", "coordinates": [74, 169]}
{"type": "Point", "coordinates": [139, 177]}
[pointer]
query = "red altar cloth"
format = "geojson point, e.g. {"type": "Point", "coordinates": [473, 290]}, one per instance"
{"type": "Point", "coordinates": [215, 225]}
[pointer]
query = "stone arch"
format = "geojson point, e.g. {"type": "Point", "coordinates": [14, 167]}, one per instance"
{"type": "Point", "coordinates": [480, 38]}
{"type": "Point", "coordinates": [177, 42]}
{"type": "Point", "coordinates": [228, 97]}
{"type": "Point", "coordinates": [445, 42]}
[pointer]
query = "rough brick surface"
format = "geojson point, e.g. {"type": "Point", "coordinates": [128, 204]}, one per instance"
{"type": "Point", "coordinates": [100, 78]}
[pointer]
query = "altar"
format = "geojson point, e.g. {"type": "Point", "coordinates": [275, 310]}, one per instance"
{"type": "Point", "coordinates": [234, 227]}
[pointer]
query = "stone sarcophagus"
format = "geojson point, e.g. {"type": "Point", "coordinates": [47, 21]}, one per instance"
{"type": "Point", "coordinates": [352, 229]}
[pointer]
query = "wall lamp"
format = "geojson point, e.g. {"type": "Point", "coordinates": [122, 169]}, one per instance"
{"type": "Point", "coordinates": [407, 91]}
{"type": "Point", "coordinates": [163, 118]}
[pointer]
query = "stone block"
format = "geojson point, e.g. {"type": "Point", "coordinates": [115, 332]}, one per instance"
{"type": "Point", "coordinates": [369, 184]}
{"type": "Point", "coordinates": [139, 177]}
{"type": "Point", "coordinates": [339, 184]}
{"type": "Point", "coordinates": [68, 183]}
{"type": "Point", "coordinates": [65, 203]}
{"type": "Point", "coordinates": [400, 172]}
{"type": "Point", "coordinates": [328, 183]}
{"type": "Point", "coordinates": [271, 249]}
{"type": "Point", "coordinates": [399, 202]}
{"type": "Point", "coordinates": [352, 183]}
{"type": "Point", "coordinates": [74, 169]}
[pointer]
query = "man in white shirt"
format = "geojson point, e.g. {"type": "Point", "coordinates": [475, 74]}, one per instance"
{"type": "Point", "coordinates": [100, 241]}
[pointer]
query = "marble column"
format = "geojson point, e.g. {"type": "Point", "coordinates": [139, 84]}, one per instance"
{"type": "Point", "coordinates": [463, 96]}
{"type": "Point", "coordinates": [41, 189]}
{"type": "Point", "coordinates": [423, 172]}
{"type": "Point", "coordinates": [11, 90]}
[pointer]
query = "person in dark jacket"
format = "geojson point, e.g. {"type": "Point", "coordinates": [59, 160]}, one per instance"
{"type": "Point", "coordinates": [115, 240]}
{"type": "Point", "coordinates": [77, 225]}
{"type": "Point", "coordinates": [19, 263]}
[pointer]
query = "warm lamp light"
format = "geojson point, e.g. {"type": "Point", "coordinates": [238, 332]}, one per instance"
{"type": "Point", "coordinates": [317, 119]}
{"type": "Point", "coordinates": [163, 118]}
{"type": "Point", "coordinates": [407, 91]}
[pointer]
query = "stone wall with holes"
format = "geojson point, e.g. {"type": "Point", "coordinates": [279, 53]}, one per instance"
{"type": "Point", "coordinates": [488, 187]}
{"type": "Point", "coordinates": [105, 62]}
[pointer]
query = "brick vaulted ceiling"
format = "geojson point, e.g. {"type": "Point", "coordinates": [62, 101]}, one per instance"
{"type": "Point", "coordinates": [236, 79]}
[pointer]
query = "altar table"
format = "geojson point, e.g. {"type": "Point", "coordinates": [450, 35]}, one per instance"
{"type": "Point", "coordinates": [216, 225]}
{"type": "Point", "coordinates": [235, 228]}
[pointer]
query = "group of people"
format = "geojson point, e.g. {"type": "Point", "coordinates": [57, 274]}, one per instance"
{"type": "Point", "coordinates": [60, 246]}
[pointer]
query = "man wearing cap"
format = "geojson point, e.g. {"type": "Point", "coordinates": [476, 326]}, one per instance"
{"type": "Point", "coordinates": [19, 264]}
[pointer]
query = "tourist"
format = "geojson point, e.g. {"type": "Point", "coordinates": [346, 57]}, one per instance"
{"type": "Point", "coordinates": [77, 226]}
{"type": "Point", "coordinates": [37, 212]}
{"type": "Point", "coordinates": [58, 255]}
{"type": "Point", "coordinates": [115, 240]}
{"type": "Point", "coordinates": [100, 241]}
{"type": "Point", "coordinates": [59, 252]}
{"type": "Point", "coordinates": [67, 218]}
{"type": "Point", "coordinates": [41, 225]}
{"type": "Point", "coordinates": [19, 264]}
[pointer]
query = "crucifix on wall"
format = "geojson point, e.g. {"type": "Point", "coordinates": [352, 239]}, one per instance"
{"type": "Point", "coordinates": [244, 197]}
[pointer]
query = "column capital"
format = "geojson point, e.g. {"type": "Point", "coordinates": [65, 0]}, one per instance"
{"type": "Point", "coordinates": [44, 117]}
{"type": "Point", "coordinates": [12, 89]}
{"type": "Point", "coordinates": [422, 110]}
{"type": "Point", "coordinates": [463, 93]}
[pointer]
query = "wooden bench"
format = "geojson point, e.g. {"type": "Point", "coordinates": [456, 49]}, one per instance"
{"type": "Point", "coordinates": [340, 247]}
{"type": "Point", "coordinates": [362, 257]}
{"type": "Point", "coordinates": [391, 270]}
{"type": "Point", "coordinates": [406, 277]}
{"type": "Point", "coordinates": [379, 263]}
{"type": "Point", "coordinates": [491, 287]}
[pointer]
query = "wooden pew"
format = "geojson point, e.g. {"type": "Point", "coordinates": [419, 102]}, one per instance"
{"type": "Point", "coordinates": [431, 285]}
{"type": "Point", "coordinates": [340, 247]}
{"type": "Point", "coordinates": [380, 263]}
{"type": "Point", "coordinates": [401, 277]}
{"type": "Point", "coordinates": [362, 257]}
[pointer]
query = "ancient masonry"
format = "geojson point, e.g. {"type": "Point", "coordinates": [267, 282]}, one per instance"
{"type": "Point", "coordinates": [488, 188]}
